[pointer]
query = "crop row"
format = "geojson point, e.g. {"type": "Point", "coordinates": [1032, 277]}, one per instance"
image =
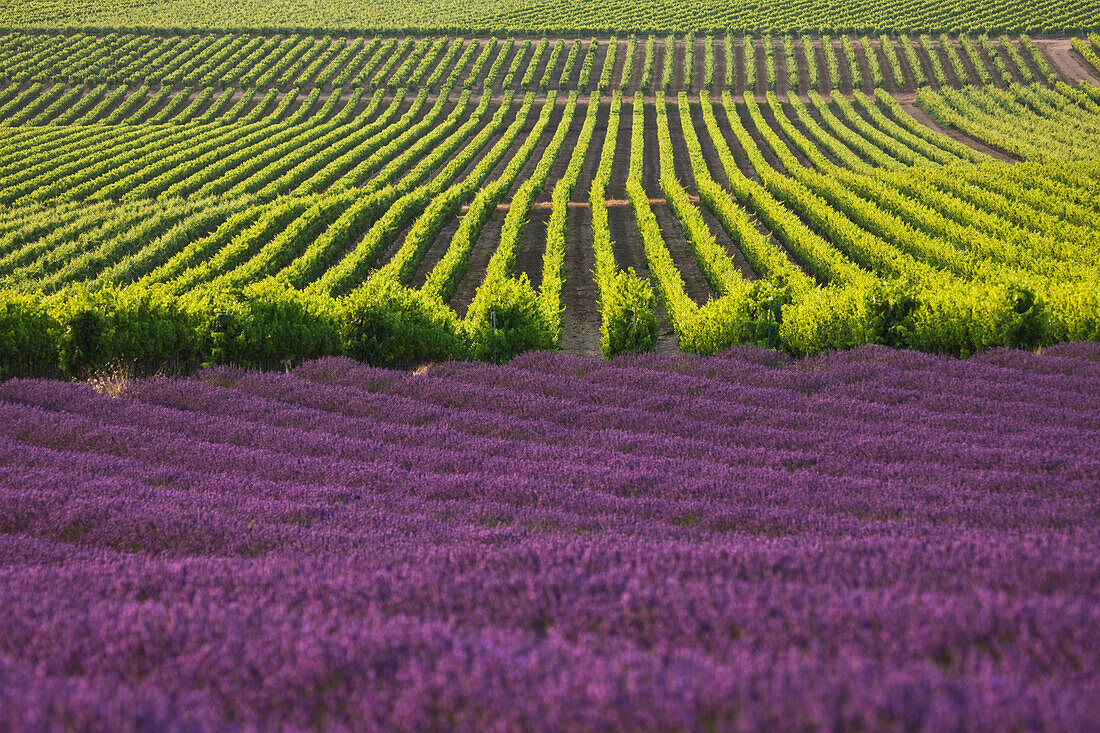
{"type": "Point", "coordinates": [561, 16]}
{"type": "Point", "coordinates": [686, 62]}
{"type": "Point", "coordinates": [657, 541]}
{"type": "Point", "coordinates": [806, 224]}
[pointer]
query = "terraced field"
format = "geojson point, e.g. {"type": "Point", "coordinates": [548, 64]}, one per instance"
{"type": "Point", "coordinates": [408, 198]}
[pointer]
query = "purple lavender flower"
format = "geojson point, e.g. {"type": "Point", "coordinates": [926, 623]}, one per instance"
{"type": "Point", "coordinates": [869, 539]}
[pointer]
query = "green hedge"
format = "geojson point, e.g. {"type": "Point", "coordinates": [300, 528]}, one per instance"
{"type": "Point", "coordinates": [268, 325]}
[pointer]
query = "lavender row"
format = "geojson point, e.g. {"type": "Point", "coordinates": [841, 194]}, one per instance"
{"type": "Point", "coordinates": [872, 539]}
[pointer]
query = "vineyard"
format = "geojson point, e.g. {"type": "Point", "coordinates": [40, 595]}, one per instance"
{"type": "Point", "coordinates": [559, 16]}
{"type": "Point", "coordinates": [180, 199]}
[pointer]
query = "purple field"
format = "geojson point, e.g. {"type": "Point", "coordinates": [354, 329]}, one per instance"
{"type": "Point", "coordinates": [870, 539]}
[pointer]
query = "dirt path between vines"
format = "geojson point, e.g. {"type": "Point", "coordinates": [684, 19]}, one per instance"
{"type": "Point", "coordinates": [1066, 62]}
{"type": "Point", "coordinates": [925, 119]}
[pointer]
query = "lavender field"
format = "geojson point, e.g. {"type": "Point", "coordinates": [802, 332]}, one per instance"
{"type": "Point", "coordinates": [870, 539]}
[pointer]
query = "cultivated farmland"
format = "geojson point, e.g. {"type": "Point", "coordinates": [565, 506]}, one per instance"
{"type": "Point", "coordinates": [559, 365]}
{"type": "Point", "coordinates": [871, 539]}
{"type": "Point", "coordinates": [409, 198]}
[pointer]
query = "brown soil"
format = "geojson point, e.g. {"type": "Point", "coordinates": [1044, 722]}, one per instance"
{"type": "Point", "coordinates": [616, 186]}
{"type": "Point", "coordinates": [993, 73]}
{"type": "Point", "coordinates": [651, 161]}
{"type": "Point", "coordinates": [719, 65]}
{"type": "Point", "coordinates": [431, 255]}
{"type": "Point", "coordinates": [540, 67]}
{"type": "Point", "coordinates": [679, 57]}
{"type": "Point", "coordinates": [815, 115]}
{"type": "Point", "coordinates": [789, 111]}
{"type": "Point", "coordinates": [364, 102]}
{"type": "Point", "coordinates": [562, 160]}
{"type": "Point", "coordinates": [625, 241]}
{"type": "Point", "coordinates": [509, 56]}
{"type": "Point", "coordinates": [575, 72]}
{"type": "Point", "coordinates": [802, 65]}
{"type": "Point", "coordinates": [769, 155]}
{"type": "Point", "coordinates": [738, 56]}
{"type": "Point", "coordinates": [38, 104]}
{"type": "Point", "coordinates": [581, 316]}
{"type": "Point", "coordinates": [966, 62]}
{"type": "Point", "coordinates": [659, 63]}
{"type": "Point", "coordinates": [696, 285]}
{"type": "Point", "coordinates": [638, 64]}
{"type": "Point", "coordinates": [864, 67]}
{"type": "Point", "coordinates": [680, 158]}
{"type": "Point", "coordinates": [489, 239]}
{"type": "Point", "coordinates": [726, 242]}
{"type": "Point", "coordinates": [434, 252]}
{"type": "Point", "coordinates": [769, 117]}
{"type": "Point", "coordinates": [842, 65]}
{"type": "Point", "coordinates": [161, 105]}
{"type": "Point", "coordinates": [701, 63]}
{"type": "Point", "coordinates": [483, 250]}
{"type": "Point", "coordinates": [782, 85]}
{"type": "Point", "coordinates": [861, 113]}
{"type": "Point", "coordinates": [340, 69]}
{"type": "Point", "coordinates": [380, 165]}
{"type": "Point", "coordinates": [110, 110]}
{"type": "Point", "coordinates": [761, 67]}
{"type": "Point", "coordinates": [489, 144]}
{"type": "Point", "coordinates": [531, 250]}
{"type": "Point", "coordinates": [730, 141]}
{"type": "Point", "coordinates": [945, 63]}
{"type": "Point", "coordinates": [1066, 62]}
{"type": "Point", "coordinates": [620, 63]}
{"type": "Point", "coordinates": [450, 67]}
{"type": "Point", "coordinates": [591, 158]}
{"type": "Point", "coordinates": [293, 107]}
{"type": "Point", "coordinates": [925, 119]}
{"type": "Point", "coordinates": [710, 152]}
{"type": "Point", "coordinates": [925, 63]}
{"type": "Point", "coordinates": [824, 84]}
{"type": "Point", "coordinates": [889, 82]}
{"type": "Point", "coordinates": [207, 104]}
{"type": "Point", "coordinates": [1028, 61]}
{"type": "Point", "coordinates": [248, 107]}
{"type": "Point", "coordinates": [566, 152]}
{"type": "Point", "coordinates": [1012, 68]}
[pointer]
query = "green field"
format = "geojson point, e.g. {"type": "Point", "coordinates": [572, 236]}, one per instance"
{"type": "Point", "coordinates": [257, 197]}
{"type": "Point", "coordinates": [561, 16]}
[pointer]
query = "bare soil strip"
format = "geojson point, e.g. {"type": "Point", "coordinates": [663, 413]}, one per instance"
{"type": "Point", "coordinates": [581, 315]}
{"type": "Point", "coordinates": [925, 119]}
{"type": "Point", "coordinates": [966, 62]}
{"type": "Point", "coordinates": [731, 143]}
{"type": "Point", "coordinates": [739, 58]}
{"type": "Point", "coordinates": [864, 67]}
{"type": "Point", "coordinates": [782, 85]}
{"type": "Point", "coordinates": [616, 187]}
{"type": "Point", "coordinates": [486, 245]}
{"type": "Point", "coordinates": [638, 65]}
{"type": "Point", "coordinates": [695, 283]}
{"type": "Point", "coordinates": [720, 56]}
{"type": "Point", "coordinates": [842, 65]}
{"type": "Point", "coordinates": [889, 82]}
{"type": "Point", "coordinates": [1066, 62]}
